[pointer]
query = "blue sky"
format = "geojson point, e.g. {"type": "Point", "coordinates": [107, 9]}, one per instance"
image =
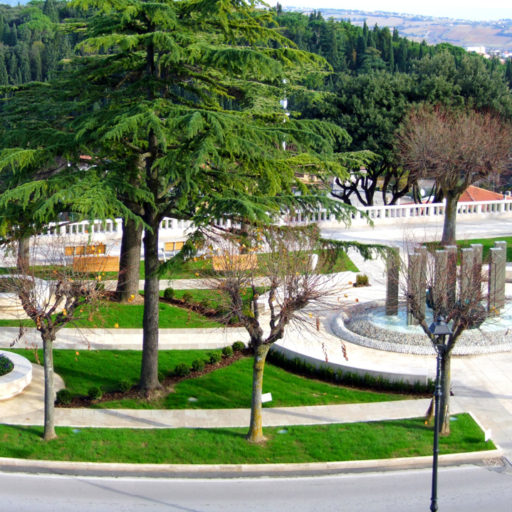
{"type": "Point", "coordinates": [465, 9]}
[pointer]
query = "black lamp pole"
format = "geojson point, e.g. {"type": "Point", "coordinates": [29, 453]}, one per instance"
{"type": "Point", "coordinates": [439, 329]}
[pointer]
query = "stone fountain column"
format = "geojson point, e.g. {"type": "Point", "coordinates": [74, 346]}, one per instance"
{"type": "Point", "coordinates": [440, 288]}
{"type": "Point", "coordinates": [413, 287]}
{"type": "Point", "coordinates": [497, 276]}
{"type": "Point", "coordinates": [451, 276]}
{"type": "Point", "coordinates": [467, 271]}
{"type": "Point", "coordinates": [478, 254]}
{"type": "Point", "coordinates": [393, 281]}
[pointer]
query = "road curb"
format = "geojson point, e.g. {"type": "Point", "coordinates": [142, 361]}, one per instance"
{"type": "Point", "coordinates": [12, 465]}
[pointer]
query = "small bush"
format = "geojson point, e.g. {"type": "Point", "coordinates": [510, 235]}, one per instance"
{"type": "Point", "coordinates": [94, 393]}
{"type": "Point", "coordinates": [64, 397]}
{"type": "Point", "coordinates": [205, 304]}
{"type": "Point", "coordinates": [188, 297]}
{"type": "Point", "coordinates": [124, 385]}
{"type": "Point", "coordinates": [215, 357]}
{"type": "Point", "coordinates": [6, 365]}
{"type": "Point", "coordinates": [198, 365]}
{"type": "Point", "coordinates": [362, 280]}
{"type": "Point", "coordinates": [181, 370]}
{"type": "Point", "coordinates": [169, 293]}
{"type": "Point", "coordinates": [227, 351]}
{"type": "Point", "coordinates": [238, 346]}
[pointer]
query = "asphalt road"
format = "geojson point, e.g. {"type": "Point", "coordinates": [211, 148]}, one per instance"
{"type": "Point", "coordinates": [466, 488]}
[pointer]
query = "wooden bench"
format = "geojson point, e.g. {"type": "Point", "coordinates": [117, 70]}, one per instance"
{"type": "Point", "coordinates": [96, 263]}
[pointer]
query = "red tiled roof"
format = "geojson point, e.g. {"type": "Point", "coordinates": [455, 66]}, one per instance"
{"type": "Point", "coordinates": [473, 193]}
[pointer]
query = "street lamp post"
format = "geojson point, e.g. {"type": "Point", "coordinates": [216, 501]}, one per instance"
{"type": "Point", "coordinates": [439, 329]}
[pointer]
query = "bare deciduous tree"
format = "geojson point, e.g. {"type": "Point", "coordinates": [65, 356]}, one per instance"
{"type": "Point", "coordinates": [457, 298]}
{"type": "Point", "coordinates": [287, 270]}
{"type": "Point", "coordinates": [52, 298]}
{"type": "Point", "coordinates": [455, 148]}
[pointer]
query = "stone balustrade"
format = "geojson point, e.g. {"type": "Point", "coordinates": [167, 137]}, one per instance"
{"type": "Point", "coordinates": [379, 215]}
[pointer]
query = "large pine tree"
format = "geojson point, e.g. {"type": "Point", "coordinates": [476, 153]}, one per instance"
{"type": "Point", "coordinates": [178, 101]}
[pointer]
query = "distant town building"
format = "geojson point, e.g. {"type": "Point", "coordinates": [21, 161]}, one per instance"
{"type": "Point", "coordinates": [477, 49]}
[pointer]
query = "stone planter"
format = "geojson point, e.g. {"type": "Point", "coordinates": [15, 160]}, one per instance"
{"type": "Point", "coordinates": [18, 379]}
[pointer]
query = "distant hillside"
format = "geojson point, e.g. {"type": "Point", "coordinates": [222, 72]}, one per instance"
{"type": "Point", "coordinates": [491, 34]}
{"type": "Point", "coordinates": [13, 3]}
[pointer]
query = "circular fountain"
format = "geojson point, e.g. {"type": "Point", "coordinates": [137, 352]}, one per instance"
{"type": "Point", "coordinates": [448, 280]}
{"type": "Point", "coordinates": [369, 326]}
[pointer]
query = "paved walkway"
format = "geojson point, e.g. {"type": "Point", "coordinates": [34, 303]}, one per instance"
{"type": "Point", "coordinates": [481, 384]}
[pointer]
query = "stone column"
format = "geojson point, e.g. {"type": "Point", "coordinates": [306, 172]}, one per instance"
{"type": "Point", "coordinates": [467, 283]}
{"type": "Point", "coordinates": [422, 279]}
{"type": "Point", "coordinates": [393, 281]}
{"type": "Point", "coordinates": [413, 288]}
{"type": "Point", "coordinates": [497, 274]}
{"type": "Point", "coordinates": [478, 251]}
{"type": "Point", "coordinates": [451, 276]}
{"type": "Point", "coordinates": [440, 288]}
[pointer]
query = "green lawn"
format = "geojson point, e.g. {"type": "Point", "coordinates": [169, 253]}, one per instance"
{"type": "Point", "coordinates": [343, 442]}
{"type": "Point", "coordinates": [82, 369]}
{"type": "Point", "coordinates": [109, 315]}
{"type": "Point", "coordinates": [189, 270]}
{"type": "Point", "coordinates": [486, 242]}
{"type": "Point", "coordinates": [228, 387]}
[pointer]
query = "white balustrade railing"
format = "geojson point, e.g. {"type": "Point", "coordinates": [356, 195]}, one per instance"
{"type": "Point", "coordinates": [173, 229]}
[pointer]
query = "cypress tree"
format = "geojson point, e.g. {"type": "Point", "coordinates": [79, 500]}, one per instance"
{"type": "Point", "coordinates": [4, 78]}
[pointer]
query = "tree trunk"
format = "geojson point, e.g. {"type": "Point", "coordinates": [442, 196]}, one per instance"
{"type": "Point", "coordinates": [444, 408]}
{"type": "Point", "coordinates": [129, 264]}
{"type": "Point", "coordinates": [49, 390]}
{"type": "Point", "coordinates": [450, 215]}
{"type": "Point", "coordinates": [255, 434]}
{"type": "Point", "coordinates": [23, 256]}
{"type": "Point", "coordinates": [149, 366]}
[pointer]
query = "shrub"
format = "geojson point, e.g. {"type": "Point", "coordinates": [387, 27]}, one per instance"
{"type": "Point", "coordinates": [124, 385]}
{"type": "Point", "coordinates": [6, 365]}
{"type": "Point", "coordinates": [205, 304]}
{"type": "Point", "coordinates": [238, 346]}
{"type": "Point", "coordinates": [181, 370]}
{"type": "Point", "coordinates": [188, 297]}
{"type": "Point", "coordinates": [215, 357]}
{"type": "Point", "coordinates": [362, 280]}
{"type": "Point", "coordinates": [227, 351]}
{"type": "Point", "coordinates": [64, 397]}
{"type": "Point", "coordinates": [95, 393]}
{"type": "Point", "coordinates": [198, 365]}
{"type": "Point", "coordinates": [169, 293]}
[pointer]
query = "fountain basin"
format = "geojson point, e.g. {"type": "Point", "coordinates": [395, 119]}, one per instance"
{"type": "Point", "coordinates": [368, 326]}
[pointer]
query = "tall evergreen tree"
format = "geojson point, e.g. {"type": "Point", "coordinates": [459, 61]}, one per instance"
{"type": "Point", "coordinates": [180, 100]}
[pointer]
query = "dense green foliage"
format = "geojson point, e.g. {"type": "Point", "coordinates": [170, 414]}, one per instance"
{"type": "Point", "coordinates": [377, 76]}
{"type": "Point", "coordinates": [32, 43]}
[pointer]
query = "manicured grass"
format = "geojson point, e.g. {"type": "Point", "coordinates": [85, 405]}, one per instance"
{"type": "Point", "coordinates": [228, 387]}
{"type": "Point", "coordinates": [109, 315]}
{"type": "Point", "coordinates": [214, 299]}
{"type": "Point", "coordinates": [486, 242]}
{"type": "Point", "coordinates": [191, 269]}
{"type": "Point", "coordinates": [83, 369]}
{"type": "Point", "coordinates": [356, 441]}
